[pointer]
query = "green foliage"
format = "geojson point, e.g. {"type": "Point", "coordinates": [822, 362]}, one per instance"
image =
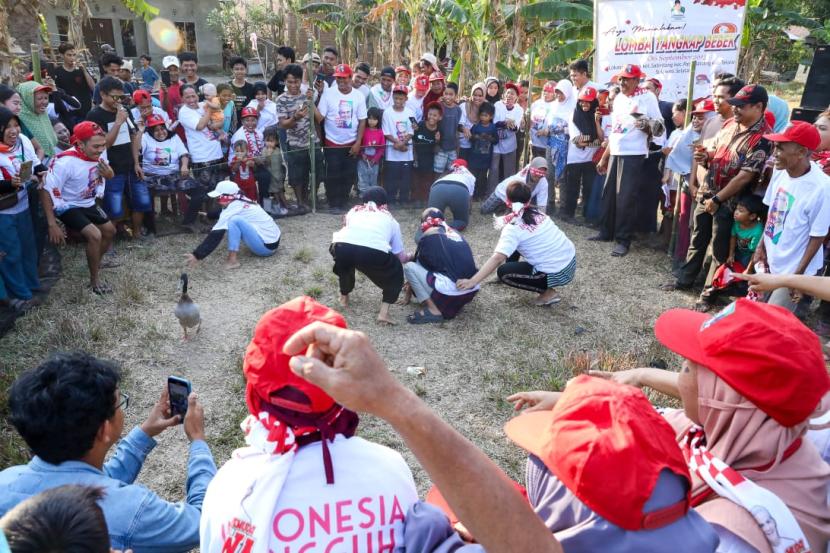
{"type": "Point", "coordinates": [235, 22]}
{"type": "Point", "coordinates": [141, 8]}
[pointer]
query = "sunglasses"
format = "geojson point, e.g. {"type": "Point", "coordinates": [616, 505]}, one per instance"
{"type": "Point", "coordinates": [117, 96]}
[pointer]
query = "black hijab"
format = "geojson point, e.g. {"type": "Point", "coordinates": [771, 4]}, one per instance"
{"type": "Point", "coordinates": [584, 120]}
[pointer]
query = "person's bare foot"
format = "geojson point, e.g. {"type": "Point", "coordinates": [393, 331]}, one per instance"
{"type": "Point", "coordinates": [548, 297]}
{"type": "Point", "coordinates": [344, 300]}
{"type": "Point", "coordinates": [407, 296]}
{"type": "Point", "coordinates": [387, 320]}
{"type": "Point", "coordinates": [232, 264]}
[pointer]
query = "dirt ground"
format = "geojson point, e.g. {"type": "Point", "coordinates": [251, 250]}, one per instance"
{"type": "Point", "coordinates": [500, 343]}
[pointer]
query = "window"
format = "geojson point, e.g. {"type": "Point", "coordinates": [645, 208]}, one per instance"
{"type": "Point", "coordinates": [187, 30]}
{"type": "Point", "coordinates": [128, 37]}
{"type": "Point", "coordinates": [63, 28]}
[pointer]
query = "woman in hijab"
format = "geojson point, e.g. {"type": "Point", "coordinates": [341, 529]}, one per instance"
{"type": "Point", "coordinates": [539, 111]}
{"type": "Point", "coordinates": [557, 123]}
{"type": "Point", "coordinates": [35, 98]}
{"type": "Point", "coordinates": [10, 99]}
{"type": "Point", "coordinates": [746, 408]}
{"type": "Point", "coordinates": [585, 130]}
{"type": "Point", "coordinates": [578, 441]}
{"type": "Point", "coordinates": [492, 90]}
{"type": "Point", "coordinates": [469, 117]}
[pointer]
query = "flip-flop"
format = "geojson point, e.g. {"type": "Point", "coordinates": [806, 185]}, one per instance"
{"type": "Point", "coordinates": [101, 289]}
{"type": "Point", "coordinates": [552, 301]}
{"type": "Point", "coordinates": [424, 317]}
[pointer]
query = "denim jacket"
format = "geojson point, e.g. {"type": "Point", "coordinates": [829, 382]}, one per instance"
{"type": "Point", "coordinates": [137, 518]}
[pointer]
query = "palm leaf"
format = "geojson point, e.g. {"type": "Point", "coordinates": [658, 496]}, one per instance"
{"type": "Point", "coordinates": [567, 52]}
{"type": "Point", "coordinates": [319, 8]}
{"type": "Point", "coordinates": [552, 10]}
{"type": "Point", "coordinates": [506, 72]}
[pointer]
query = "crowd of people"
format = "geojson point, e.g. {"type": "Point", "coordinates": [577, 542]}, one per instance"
{"type": "Point", "coordinates": [736, 193]}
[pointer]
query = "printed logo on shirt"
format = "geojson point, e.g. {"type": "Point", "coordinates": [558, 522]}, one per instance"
{"type": "Point", "coordinates": [161, 157]}
{"type": "Point", "coordinates": [239, 538]}
{"type": "Point", "coordinates": [93, 181]}
{"type": "Point", "coordinates": [402, 129]}
{"type": "Point", "coordinates": [780, 209]}
{"type": "Point", "coordinates": [345, 110]}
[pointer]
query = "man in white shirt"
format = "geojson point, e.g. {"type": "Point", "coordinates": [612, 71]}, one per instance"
{"type": "Point", "coordinates": [580, 74]}
{"type": "Point", "coordinates": [381, 93]}
{"type": "Point", "coordinates": [342, 111]}
{"type": "Point", "coordinates": [635, 120]}
{"type": "Point", "coordinates": [798, 197]}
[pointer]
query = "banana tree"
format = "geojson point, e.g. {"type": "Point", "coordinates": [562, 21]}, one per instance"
{"type": "Point", "coordinates": [564, 28]}
{"type": "Point", "coordinates": [417, 16]}
{"type": "Point", "coordinates": [346, 21]}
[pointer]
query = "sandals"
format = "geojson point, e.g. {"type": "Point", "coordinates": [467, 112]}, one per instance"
{"type": "Point", "coordinates": [552, 301]}
{"type": "Point", "coordinates": [703, 307]}
{"type": "Point", "coordinates": [101, 289]}
{"type": "Point", "coordinates": [424, 317]}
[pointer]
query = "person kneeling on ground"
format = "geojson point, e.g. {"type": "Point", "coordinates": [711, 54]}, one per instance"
{"type": "Point", "coordinates": [74, 181]}
{"type": "Point", "coordinates": [577, 440]}
{"type": "Point", "coordinates": [70, 412]}
{"type": "Point", "coordinates": [442, 258]}
{"type": "Point", "coordinates": [527, 232]}
{"type": "Point", "coordinates": [244, 220]}
{"type": "Point", "coordinates": [302, 458]}
{"type": "Point", "coordinates": [746, 409]}
{"type": "Point", "coordinates": [454, 191]}
{"type": "Point", "coordinates": [370, 241]}
{"type": "Point", "coordinates": [534, 176]}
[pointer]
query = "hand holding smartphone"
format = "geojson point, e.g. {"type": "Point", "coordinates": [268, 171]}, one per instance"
{"type": "Point", "coordinates": [165, 77]}
{"type": "Point", "coordinates": [178, 389]}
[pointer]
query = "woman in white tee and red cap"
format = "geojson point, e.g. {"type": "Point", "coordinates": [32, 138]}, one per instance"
{"type": "Point", "coordinates": [304, 481]}
{"type": "Point", "coordinates": [529, 233]}
{"type": "Point", "coordinates": [752, 379]}
{"type": "Point", "coordinates": [370, 242]}
{"type": "Point", "coordinates": [605, 473]}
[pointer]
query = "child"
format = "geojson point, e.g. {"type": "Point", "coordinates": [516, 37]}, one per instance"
{"type": "Point", "coordinates": [266, 108]}
{"type": "Point", "coordinates": [426, 139]}
{"type": "Point", "coordinates": [242, 169]}
{"type": "Point", "coordinates": [249, 133]}
{"type": "Point", "coordinates": [483, 136]}
{"type": "Point", "coordinates": [398, 128]}
{"type": "Point", "coordinates": [450, 126]}
{"type": "Point", "coordinates": [273, 163]}
{"type": "Point", "coordinates": [213, 105]}
{"type": "Point", "coordinates": [372, 151]}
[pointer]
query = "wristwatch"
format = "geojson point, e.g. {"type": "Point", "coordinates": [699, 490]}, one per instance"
{"type": "Point", "coordinates": [717, 200]}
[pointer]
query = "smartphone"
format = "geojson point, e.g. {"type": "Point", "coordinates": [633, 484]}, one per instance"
{"type": "Point", "coordinates": [165, 77]}
{"type": "Point", "coordinates": [178, 389]}
{"type": "Point", "coordinates": [25, 173]}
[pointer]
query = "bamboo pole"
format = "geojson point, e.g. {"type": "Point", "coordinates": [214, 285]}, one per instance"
{"type": "Point", "coordinates": [312, 153]}
{"type": "Point", "coordinates": [527, 153]}
{"type": "Point", "coordinates": [679, 196]}
{"type": "Point", "coordinates": [36, 63]}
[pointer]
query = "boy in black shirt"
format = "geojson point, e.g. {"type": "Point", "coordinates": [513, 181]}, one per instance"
{"type": "Point", "coordinates": [189, 68]}
{"type": "Point", "coordinates": [243, 91]}
{"type": "Point", "coordinates": [483, 135]}
{"type": "Point", "coordinates": [74, 79]}
{"type": "Point", "coordinates": [123, 145]}
{"type": "Point", "coordinates": [425, 141]}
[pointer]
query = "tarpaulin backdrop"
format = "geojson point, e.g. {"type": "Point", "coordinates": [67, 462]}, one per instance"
{"type": "Point", "coordinates": [663, 36]}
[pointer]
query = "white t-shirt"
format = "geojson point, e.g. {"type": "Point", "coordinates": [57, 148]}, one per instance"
{"type": "Point", "coordinates": [798, 209]}
{"type": "Point", "coordinates": [398, 124]}
{"type": "Point", "coordinates": [161, 158]}
{"type": "Point", "coordinates": [540, 191]}
{"type": "Point", "coordinates": [362, 512]}
{"type": "Point", "coordinates": [252, 213]}
{"type": "Point", "coordinates": [256, 143]}
{"type": "Point", "coordinates": [575, 153]}
{"type": "Point", "coordinates": [507, 138]}
{"type": "Point", "coordinates": [539, 111]}
{"type": "Point", "coordinates": [625, 138]}
{"type": "Point", "coordinates": [204, 145]}
{"type": "Point", "coordinates": [73, 182]}
{"type": "Point", "coordinates": [463, 176]}
{"type": "Point", "coordinates": [382, 98]}
{"type": "Point", "coordinates": [267, 115]}
{"type": "Point", "coordinates": [343, 113]}
{"type": "Point", "coordinates": [364, 88]}
{"type": "Point", "coordinates": [372, 228]}
{"type": "Point", "coordinates": [416, 105]}
{"type": "Point", "coordinates": [463, 142]}
{"type": "Point", "coordinates": [543, 245]}
{"type": "Point", "coordinates": [156, 111]}
{"type": "Point", "coordinates": [10, 163]}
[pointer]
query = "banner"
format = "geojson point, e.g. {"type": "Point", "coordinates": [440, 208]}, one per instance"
{"type": "Point", "coordinates": [663, 36]}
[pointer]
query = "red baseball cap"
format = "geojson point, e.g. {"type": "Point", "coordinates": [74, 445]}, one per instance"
{"type": "Point", "coordinates": [141, 96]}
{"type": "Point", "coordinates": [436, 76]}
{"type": "Point", "coordinates": [85, 130]}
{"type": "Point", "coordinates": [400, 88]}
{"type": "Point", "coordinates": [154, 120]}
{"type": "Point", "coordinates": [769, 117]}
{"type": "Point", "coordinates": [656, 82]}
{"type": "Point", "coordinates": [597, 428]}
{"type": "Point", "coordinates": [514, 86]}
{"type": "Point", "coordinates": [631, 71]}
{"type": "Point", "coordinates": [249, 112]}
{"type": "Point", "coordinates": [342, 70]}
{"type": "Point", "coordinates": [704, 106]}
{"type": "Point", "coordinates": [460, 163]}
{"type": "Point", "coordinates": [800, 132]}
{"type": "Point", "coordinates": [266, 366]}
{"type": "Point", "coordinates": [588, 94]}
{"type": "Point", "coordinates": [762, 351]}
{"type": "Point", "coordinates": [421, 82]}
{"type": "Point", "coordinates": [403, 69]}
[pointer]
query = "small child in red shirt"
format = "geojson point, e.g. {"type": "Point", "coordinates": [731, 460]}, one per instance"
{"type": "Point", "coordinates": [373, 146]}
{"type": "Point", "coordinates": [242, 170]}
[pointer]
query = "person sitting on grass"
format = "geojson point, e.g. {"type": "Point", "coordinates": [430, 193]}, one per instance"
{"type": "Point", "coordinates": [74, 181]}
{"type": "Point", "coordinates": [534, 176]}
{"type": "Point", "coordinates": [244, 221]}
{"type": "Point", "coordinates": [70, 412]}
{"type": "Point", "coordinates": [302, 457]}
{"type": "Point", "coordinates": [526, 231]}
{"type": "Point", "coordinates": [370, 242]}
{"type": "Point", "coordinates": [442, 258]}
{"type": "Point", "coordinates": [574, 438]}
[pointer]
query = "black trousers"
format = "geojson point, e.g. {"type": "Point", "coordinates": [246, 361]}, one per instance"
{"type": "Point", "coordinates": [715, 229]}
{"type": "Point", "coordinates": [397, 180]}
{"type": "Point", "coordinates": [206, 175]}
{"type": "Point", "coordinates": [650, 185]}
{"type": "Point", "coordinates": [341, 173]}
{"type": "Point", "coordinates": [382, 268]}
{"type": "Point", "coordinates": [578, 176]}
{"type": "Point", "coordinates": [620, 197]}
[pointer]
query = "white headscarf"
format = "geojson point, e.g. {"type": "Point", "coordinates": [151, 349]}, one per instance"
{"type": "Point", "coordinates": [564, 110]}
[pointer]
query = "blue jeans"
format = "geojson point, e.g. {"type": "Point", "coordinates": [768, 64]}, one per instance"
{"type": "Point", "coordinates": [443, 160]}
{"type": "Point", "coordinates": [138, 195]}
{"type": "Point", "coordinates": [18, 268]}
{"type": "Point", "coordinates": [367, 175]}
{"type": "Point", "coordinates": [240, 229]}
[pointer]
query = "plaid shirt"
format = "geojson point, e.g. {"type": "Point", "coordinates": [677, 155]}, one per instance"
{"type": "Point", "coordinates": [736, 151]}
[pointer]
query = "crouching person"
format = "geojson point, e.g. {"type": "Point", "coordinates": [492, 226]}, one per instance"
{"type": "Point", "coordinates": [244, 221]}
{"type": "Point", "coordinates": [442, 258]}
{"type": "Point", "coordinates": [304, 481]}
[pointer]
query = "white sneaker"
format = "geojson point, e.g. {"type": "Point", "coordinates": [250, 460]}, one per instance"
{"type": "Point", "coordinates": [267, 204]}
